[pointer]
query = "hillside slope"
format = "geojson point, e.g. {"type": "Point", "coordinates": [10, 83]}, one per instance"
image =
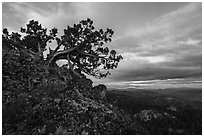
{"type": "Point", "coordinates": [37, 100]}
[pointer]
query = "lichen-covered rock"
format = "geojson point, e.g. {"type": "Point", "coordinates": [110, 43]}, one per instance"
{"type": "Point", "coordinates": [99, 92]}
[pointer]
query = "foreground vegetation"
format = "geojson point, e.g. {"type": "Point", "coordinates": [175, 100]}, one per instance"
{"type": "Point", "coordinates": [39, 97]}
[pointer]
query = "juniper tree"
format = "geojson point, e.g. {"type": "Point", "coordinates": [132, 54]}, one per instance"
{"type": "Point", "coordinates": [81, 45]}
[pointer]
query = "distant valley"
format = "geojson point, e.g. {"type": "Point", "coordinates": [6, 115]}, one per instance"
{"type": "Point", "coordinates": [170, 111]}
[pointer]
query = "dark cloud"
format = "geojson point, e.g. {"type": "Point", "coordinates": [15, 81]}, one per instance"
{"type": "Point", "coordinates": [191, 61]}
{"type": "Point", "coordinates": [157, 72]}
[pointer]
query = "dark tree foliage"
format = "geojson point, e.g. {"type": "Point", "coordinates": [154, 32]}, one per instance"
{"type": "Point", "coordinates": [39, 97]}
{"type": "Point", "coordinates": [81, 45]}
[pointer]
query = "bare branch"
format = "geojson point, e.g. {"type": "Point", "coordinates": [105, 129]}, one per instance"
{"type": "Point", "coordinates": [30, 51]}
{"type": "Point", "coordinates": [69, 63]}
{"type": "Point", "coordinates": [90, 55]}
{"type": "Point", "coordinates": [40, 50]}
{"type": "Point", "coordinates": [33, 56]}
{"type": "Point", "coordinates": [58, 46]}
{"type": "Point", "coordinates": [71, 67]}
{"type": "Point", "coordinates": [63, 53]}
{"type": "Point", "coordinates": [78, 93]}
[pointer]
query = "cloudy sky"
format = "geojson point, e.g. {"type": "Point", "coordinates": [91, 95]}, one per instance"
{"type": "Point", "coordinates": [161, 42]}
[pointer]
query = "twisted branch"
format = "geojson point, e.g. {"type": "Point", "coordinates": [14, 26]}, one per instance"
{"type": "Point", "coordinates": [65, 52]}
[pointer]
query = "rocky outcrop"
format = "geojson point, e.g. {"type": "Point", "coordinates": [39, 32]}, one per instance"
{"type": "Point", "coordinates": [41, 100]}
